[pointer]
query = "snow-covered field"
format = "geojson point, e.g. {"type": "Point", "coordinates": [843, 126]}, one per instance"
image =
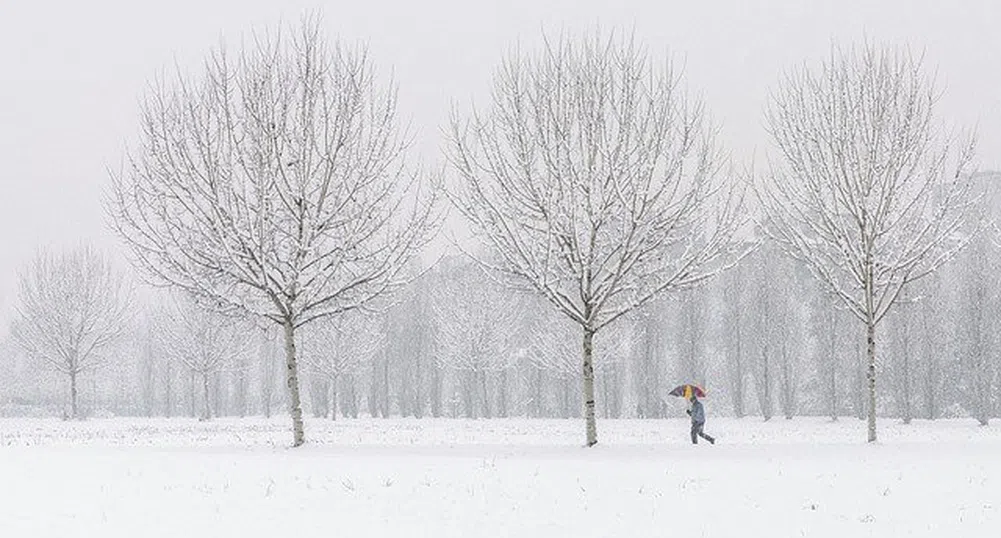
{"type": "Point", "coordinates": [506, 477]}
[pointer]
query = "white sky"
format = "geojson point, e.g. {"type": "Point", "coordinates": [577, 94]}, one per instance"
{"type": "Point", "coordinates": [71, 72]}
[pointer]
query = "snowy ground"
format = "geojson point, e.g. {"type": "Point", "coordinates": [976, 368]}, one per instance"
{"type": "Point", "coordinates": [507, 477]}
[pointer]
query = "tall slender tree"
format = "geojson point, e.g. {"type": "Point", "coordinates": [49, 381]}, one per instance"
{"type": "Point", "coordinates": [336, 349]}
{"type": "Point", "coordinates": [204, 342]}
{"type": "Point", "coordinates": [476, 330]}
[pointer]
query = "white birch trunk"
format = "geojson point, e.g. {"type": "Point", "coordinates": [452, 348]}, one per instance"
{"type": "Point", "coordinates": [292, 382]}
{"type": "Point", "coordinates": [589, 419]}
{"type": "Point", "coordinates": [871, 377]}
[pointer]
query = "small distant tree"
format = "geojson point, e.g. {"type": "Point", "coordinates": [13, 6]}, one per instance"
{"type": "Point", "coordinates": [72, 307]}
{"type": "Point", "coordinates": [733, 294]}
{"type": "Point", "coordinates": [867, 191]}
{"type": "Point", "coordinates": [204, 342]}
{"type": "Point", "coordinates": [597, 183]}
{"type": "Point", "coordinates": [336, 348]}
{"type": "Point", "coordinates": [476, 328]}
{"type": "Point", "coordinates": [551, 351]}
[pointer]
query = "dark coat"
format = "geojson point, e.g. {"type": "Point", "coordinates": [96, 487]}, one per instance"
{"type": "Point", "coordinates": [697, 412]}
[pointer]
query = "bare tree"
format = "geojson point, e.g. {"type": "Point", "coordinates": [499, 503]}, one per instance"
{"type": "Point", "coordinates": [205, 342]}
{"type": "Point", "coordinates": [691, 310]}
{"type": "Point", "coordinates": [903, 348]}
{"type": "Point", "coordinates": [476, 328]}
{"type": "Point", "coordinates": [149, 364]}
{"type": "Point", "coordinates": [597, 182]}
{"type": "Point", "coordinates": [650, 382]}
{"type": "Point", "coordinates": [275, 185]}
{"type": "Point", "coordinates": [869, 192]}
{"type": "Point", "coordinates": [550, 350]}
{"type": "Point", "coordinates": [933, 340]}
{"type": "Point", "coordinates": [269, 353]}
{"type": "Point", "coordinates": [730, 334]}
{"type": "Point", "coordinates": [71, 308]}
{"type": "Point", "coordinates": [830, 349]}
{"type": "Point", "coordinates": [337, 348]}
{"type": "Point", "coordinates": [977, 342]}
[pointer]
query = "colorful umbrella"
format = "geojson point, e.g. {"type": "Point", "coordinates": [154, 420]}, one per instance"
{"type": "Point", "coordinates": [687, 390]}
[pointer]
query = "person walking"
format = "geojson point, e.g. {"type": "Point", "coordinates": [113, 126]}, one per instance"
{"type": "Point", "coordinates": [698, 414]}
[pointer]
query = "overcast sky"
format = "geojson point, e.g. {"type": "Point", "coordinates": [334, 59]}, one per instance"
{"type": "Point", "coordinates": [73, 70]}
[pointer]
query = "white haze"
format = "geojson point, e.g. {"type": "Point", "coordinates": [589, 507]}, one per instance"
{"type": "Point", "coordinates": [72, 73]}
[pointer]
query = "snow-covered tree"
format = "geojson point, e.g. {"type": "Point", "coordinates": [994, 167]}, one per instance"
{"type": "Point", "coordinates": [904, 349]}
{"type": "Point", "coordinates": [336, 348]}
{"type": "Point", "coordinates": [650, 380]}
{"type": "Point", "coordinates": [731, 331]}
{"type": "Point", "coordinates": [204, 342]}
{"type": "Point", "coordinates": [868, 190]}
{"type": "Point", "coordinates": [597, 182]}
{"type": "Point", "coordinates": [978, 323]}
{"type": "Point", "coordinates": [552, 352]}
{"type": "Point", "coordinates": [476, 330]}
{"type": "Point", "coordinates": [269, 356]}
{"type": "Point", "coordinates": [72, 307]}
{"type": "Point", "coordinates": [411, 342]}
{"type": "Point", "coordinates": [275, 185]}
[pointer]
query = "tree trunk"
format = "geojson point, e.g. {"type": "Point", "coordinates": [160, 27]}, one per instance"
{"type": "Point", "coordinates": [834, 392]}
{"type": "Point", "coordinates": [242, 399]}
{"type": "Point", "coordinates": [435, 391]}
{"type": "Point", "coordinates": [589, 421]}
{"type": "Point", "coordinates": [205, 386]}
{"type": "Point", "coordinates": [502, 394]}
{"type": "Point", "coordinates": [418, 388]}
{"type": "Point", "coordinates": [385, 387]}
{"type": "Point", "coordinates": [766, 386]}
{"type": "Point", "coordinates": [168, 406]}
{"type": "Point", "coordinates": [468, 390]}
{"type": "Point", "coordinates": [565, 399]}
{"type": "Point", "coordinates": [373, 390]}
{"type": "Point", "coordinates": [218, 395]}
{"type": "Point", "coordinates": [788, 385]}
{"type": "Point", "coordinates": [535, 392]}
{"type": "Point", "coordinates": [193, 394]}
{"type": "Point", "coordinates": [984, 406]}
{"type": "Point", "coordinates": [737, 374]}
{"type": "Point", "coordinates": [871, 375]}
{"type": "Point", "coordinates": [73, 394]}
{"type": "Point", "coordinates": [605, 396]}
{"type": "Point", "coordinates": [931, 370]}
{"type": "Point", "coordinates": [903, 363]}
{"type": "Point", "coordinates": [292, 381]}
{"type": "Point", "coordinates": [860, 382]}
{"type": "Point", "coordinates": [351, 396]}
{"type": "Point", "coordinates": [833, 368]}
{"type": "Point", "coordinates": [486, 394]}
{"type": "Point", "coordinates": [907, 383]}
{"type": "Point", "coordinates": [333, 398]}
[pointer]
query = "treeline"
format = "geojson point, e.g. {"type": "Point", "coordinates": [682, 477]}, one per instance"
{"type": "Point", "coordinates": [763, 339]}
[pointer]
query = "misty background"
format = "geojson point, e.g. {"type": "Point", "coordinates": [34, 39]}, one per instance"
{"type": "Point", "coordinates": [73, 74]}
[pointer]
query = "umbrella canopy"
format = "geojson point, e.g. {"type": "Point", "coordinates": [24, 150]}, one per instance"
{"type": "Point", "coordinates": [687, 390]}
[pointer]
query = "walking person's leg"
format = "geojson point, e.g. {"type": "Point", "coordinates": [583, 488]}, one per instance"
{"type": "Point", "coordinates": [705, 436]}
{"type": "Point", "coordinates": [695, 433]}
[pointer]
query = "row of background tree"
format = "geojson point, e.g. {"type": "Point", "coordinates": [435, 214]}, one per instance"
{"type": "Point", "coordinates": [762, 338]}
{"type": "Point", "coordinates": [276, 186]}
